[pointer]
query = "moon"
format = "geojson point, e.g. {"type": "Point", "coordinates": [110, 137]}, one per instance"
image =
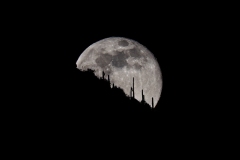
{"type": "Point", "coordinates": [122, 59]}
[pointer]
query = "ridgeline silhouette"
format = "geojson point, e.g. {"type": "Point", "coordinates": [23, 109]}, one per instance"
{"type": "Point", "coordinates": [99, 96]}
{"type": "Point", "coordinates": [82, 99]}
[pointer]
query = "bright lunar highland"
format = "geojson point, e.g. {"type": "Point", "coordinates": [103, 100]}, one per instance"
{"type": "Point", "coordinates": [122, 59]}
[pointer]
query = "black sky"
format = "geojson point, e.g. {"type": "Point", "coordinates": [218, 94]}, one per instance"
{"type": "Point", "coordinates": [179, 37]}
{"type": "Point", "coordinates": [49, 38]}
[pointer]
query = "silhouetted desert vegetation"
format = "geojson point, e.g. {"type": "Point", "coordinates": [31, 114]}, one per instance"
{"type": "Point", "coordinates": [98, 98]}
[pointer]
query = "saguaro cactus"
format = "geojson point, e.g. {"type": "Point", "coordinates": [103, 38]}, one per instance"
{"type": "Point", "coordinates": [133, 88]}
{"type": "Point", "coordinates": [152, 102]}
{"type": "Point", "coordinates": [103, 74]}
{"type": "Point", "coordinates": [131, 92]}
{"type": "Point", "coordinates": [143, 96]}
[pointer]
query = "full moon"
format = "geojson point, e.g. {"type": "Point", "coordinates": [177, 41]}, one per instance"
{"type": "Point", "coordinates": [122, 59]}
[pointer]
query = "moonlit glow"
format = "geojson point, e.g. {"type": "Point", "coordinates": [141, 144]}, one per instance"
{"type": "Point", "coordinates": [122, 59]}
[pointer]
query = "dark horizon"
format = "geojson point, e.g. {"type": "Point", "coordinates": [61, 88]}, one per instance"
{"type": "Point", "coordinates": [132, 91]}
{"type": "Point", "coordinates": [103, 86]}
{"type": "Point", "coordinates": [55, 108]}
{"type": "Point", "coordinates": [180, 45]}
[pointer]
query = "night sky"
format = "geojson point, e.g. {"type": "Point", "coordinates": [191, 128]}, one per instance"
{"type": "Point", "coordinates": [177, 37]}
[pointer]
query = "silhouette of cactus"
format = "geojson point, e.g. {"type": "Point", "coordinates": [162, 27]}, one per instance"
{"type": "Point", "coordinates": [131, 92]}
{"type": "Point", "coordinates": [103, 74]}
{"type": "Point", "coordinates": [143, 100]}
{"type": "Point", "coordinates": [133, 88]}
{"type": "Point", "coordinates": [152, 102]}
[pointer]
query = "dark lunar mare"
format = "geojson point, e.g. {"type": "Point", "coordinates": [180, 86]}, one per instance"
{"type": "Point", "coordinates": [119, 60]}
{"type": "Point", "coordinates": [135, 52]}
{"type": "Point", "coordinates": [137, 66]}
{"type": "Point", "coordinates": [123, 43]}
{"type": "Point", "coordinates": [103, 60]}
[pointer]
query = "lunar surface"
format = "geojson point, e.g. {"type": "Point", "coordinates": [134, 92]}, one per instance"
{"type": "Point", "coordinates": [122, 59]}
